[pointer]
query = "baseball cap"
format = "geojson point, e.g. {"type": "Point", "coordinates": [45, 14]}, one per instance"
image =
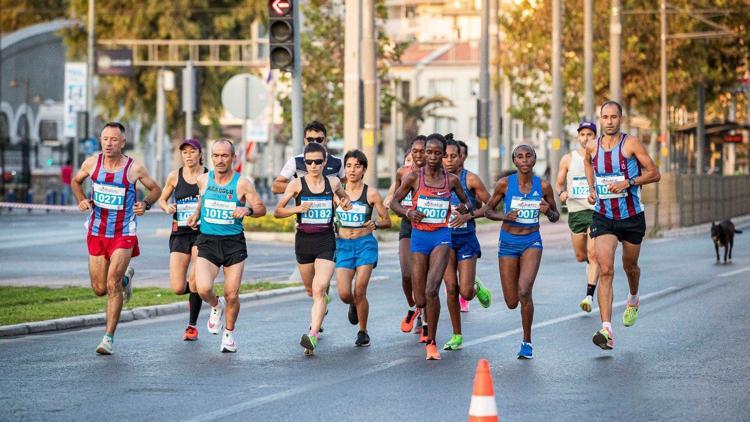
{"type": "Point", "coordinates": [587, 125]}
{"type": "Point", "coordinates": [193, 143]}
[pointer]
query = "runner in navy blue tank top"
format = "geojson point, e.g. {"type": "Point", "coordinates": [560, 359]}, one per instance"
{"type": "Point", "coordinates": [617, 165]}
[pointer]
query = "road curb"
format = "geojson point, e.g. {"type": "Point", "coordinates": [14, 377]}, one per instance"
{"type": "Point", "coordinates": [702, 228]}
{"type": "Point", "coordinates": [146, 312]}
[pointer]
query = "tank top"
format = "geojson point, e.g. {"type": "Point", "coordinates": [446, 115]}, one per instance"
{"type": "Point", "coordinates": [114, 196]}
{"type": "Point", "coordinates": [319, 218]}
{"type": "Point", "coordinates": [217, 204]}
{"type": "Point", "coordinates": [577, 185]}
{"type": "Point", "coordinates": [359, 213]}
{"type": "Point", "coordinates": [527, 204]}
{"type": "Point", "coordinates": [408, 201]}
{"type": "Point", "coordinates": [186, 201]}
{"type": "Point", "coordinates": [471, 225]}
{"type": "Point", "coordinates": [612, 166]}
{"type": "Point", "coordinates": [434, 203]}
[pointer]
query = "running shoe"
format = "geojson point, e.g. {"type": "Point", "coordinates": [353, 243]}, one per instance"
{"type": "Point", "coordinates": [227, 342]}
{"type": "Point", "coordinates": [105, 347]}
{"type": "Point", "coordinates": [484, 295]}
{"type": "Point", "coordinates": [328, 300]}
{"type": "Point", "coordinates": [418, 325]}
{"type": "Point", "coordinates": [214, 324]}
{"type": "Point", "coordinates": [191, 333]}
{"type": "Point", "coordinates": [353, 318]}
{"type": "Point", "coordinates": [432, 351]}
{"type": "Point", "coordinates": [586, 303]}
{"type": "Point", "coordinates": [604, 339]}
{"type": "Point", "coordinates": [455, 343]}
{"type": "Point", "coordinates": [526, 351]}
{"type": "Point", "coordinates": [423, 334]}
{"type": "Point", "coordinates": [630, 315]}
{"type": "Point", "coordinates": [408, 322]}
{"type": "Point", "coordinates": [463, 304]}
{"type": "Point", "coordinates": [309, 342]}
{"type": "Point", "coordinates": [363, 340]}
{"type": "Point", "coordinates": [127, 285]}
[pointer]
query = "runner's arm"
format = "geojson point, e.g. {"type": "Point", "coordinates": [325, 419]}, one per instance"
{"type": "Point", "coordinates": [480, 192]}
{"type": "Point", "coordinates": [373, 197]}
{"type": "Point", "coordinates": [498, 194]}
{"type": "Point", "coordinates": [455, 183]}
{"type": "Point", "coordinates": [548, 205]}
{"type": "Point", "coordinates": [649, 174]}
{"type": "Point", "coordinates": [407, 184]}
{"type": "Point", "coordinates": [166, 193]}
{"type": "Point", "coordinates": [201, 182]}
{"type": "Point", "coordinates": [254, 206]}
{"type": "Point", "coordinates": [562, 174]}
{"type": "Point", "coordinates": [282, 180]}
{"type": "Point", "coordinates": [76, 184]}
{"type": "Point", "coordinates": [292, 190]}
{"type": "Point", "coordinates": [344, 202]}
{"type": "Point", "coordinates": [392, 189]}
{"type": "Point", "coordinates": [590, 179]}
{"type": "Point", "coordinates": [154, 190]}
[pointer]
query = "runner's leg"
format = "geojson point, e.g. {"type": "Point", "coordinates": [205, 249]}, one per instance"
{"type": "Point", "coordinates": [195, 299]}
{"type": "Point", "coordinates": [451, 290]}
{"type": "Point", "coordinates": [118, 264]}
{"type": "Point", "coordinates": [205, 274]}
{"type": "Point", "coordinates": [178, 269]}
{"type": "Point", "coordinates": [435, 272]}
{"type": "Point", "coordinates": [232, 281]}
{"type": "Point", "coordinates": [509, 269]}
{"type": "Point", "coordinates": [405, 259]}
{"type": "Point", "coordinates": [360, 295]}
{"type": "Point", "coordinates": [344, 278]}
{"type": "Point", "coordinates": [467, 273]}
{"type": "Point", "coordinates": [529, 266]}
{"type": "Point", "coordinates": [606, 245]}
{"type": "Point", "coordinates": [323, 271]}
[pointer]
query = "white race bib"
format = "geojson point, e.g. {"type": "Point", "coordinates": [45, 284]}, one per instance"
{"type": "Point", "coordinates": [407, 201]}
{"type": "Point", "coordinates": [579, 188]}
{"type": "Point", "coordinates": [109, 197]}
{"type": "Point", "coordinates": [355, 217]}
{"type": "Point", "coordinates": [528, 209]}
{"type": "Point", "coordinates": [185, 209]}
{"type": "Point", "coordinates": [435, 209]}
{"type": "Point", "coordinates": [454, 214]}
{"type": "Point", "coordinates": [601, 186]}
{"type": "Point", "coordinates": [320, 212]}
{"type": "Point", "coordinates": [219, 212]}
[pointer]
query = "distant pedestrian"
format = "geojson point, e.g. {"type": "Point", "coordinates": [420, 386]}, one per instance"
{"type": "Point", "coordinates": [66, 175]}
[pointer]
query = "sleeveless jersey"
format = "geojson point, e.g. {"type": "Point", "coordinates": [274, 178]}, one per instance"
{"type": "Point", "coordinates": [527, 204]}
{"type": "Point", "coordinates": [359, 213]}
{"type": "Point", "coordinates": [612, 166]}
{"type": "Point", "coordinates": [434, 203]}
{"type": "Point", "coordinates": [577, 185]}
{"type": "Point", "coordinates": [114, 196]}
{"type": "Point", "coordinates": [319, 218]}
{"type": "Point", "coordinates": [408, 201]}
{"type": "Point", "coordinates": [471, 225]}
{"type": "Point", "coordinates": [217, 204]}
{"type": "Point", "coordinates": [186, 201]}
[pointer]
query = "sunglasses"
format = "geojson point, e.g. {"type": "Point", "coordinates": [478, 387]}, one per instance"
{"type": "Point", "coordinates": [316, 162]}
{"type": "Point", "coordinates": [319, 139]}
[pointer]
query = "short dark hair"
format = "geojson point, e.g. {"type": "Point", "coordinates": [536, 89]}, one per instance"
{"type": "Point", "coordinates": [225, 140]}
{"type": "Point", "coordinates": [611, 102]}
{"type": "Point", "coordinates": [358, 155]}
{"type": "Point", "coordinates": [315, 147]}
{"type": "Point", "coordinates": [436, 137]}
{"type": "Point", "coordinates": [451, 142]}
{"type": "Point", "coordinates": [117, 125]}
{"type": "Point", "coordinates": [462, 144]}
{"type": "Point", "coordinates": [316, 126]}
{"type": "Point", "coordinates": [418, 138]}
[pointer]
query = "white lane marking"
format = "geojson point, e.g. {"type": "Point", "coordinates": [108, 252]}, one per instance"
{"type": "Point", "coordinates": [731, 273]}
{"type": "Point", "coordinates": [269, 264]}
{"type": "Point", "coordinates": [54, 240]}
{"type": "Point", "coordinates": [250, 404]}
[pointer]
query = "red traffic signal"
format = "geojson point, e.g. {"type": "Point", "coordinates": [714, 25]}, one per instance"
{"type": "Point", "coordinates": [279, 8]}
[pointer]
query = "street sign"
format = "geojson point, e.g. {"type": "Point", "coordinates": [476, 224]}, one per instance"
{"type": "Point", "coordinates": [245, 96]}
{"type": "Point", "coordinates": [279, 7]}
{"type": "Point", "coordinates": [74, 96]}
{"type": "Point", "coordinates": [114, 62]}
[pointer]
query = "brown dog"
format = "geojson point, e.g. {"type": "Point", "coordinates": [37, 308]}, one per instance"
{"type": "Point", "coordinates": [723, 235]}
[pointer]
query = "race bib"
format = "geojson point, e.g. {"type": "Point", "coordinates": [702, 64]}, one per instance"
{"type": "Point", "coordinates": [219, 212]}
{"type": "Point", "coordinates": [320, 212]}
{"type": "Point", "coordinates": [109, 197]}
{"type": "Point", "coordinates": [407, 201]}
{"type": "Point", "coordinates": [435, 209]}
{"type": "Point", "coordinates": [528, 209]}
{"type": "Point", "coordinates": [185, 208]}
{"type": "Point", "coordinates": [601, 186]}
{"type": "Point", "coordinates": [454, 214]}
{"type": "Point", "coordinates": [355, 217]}
{"type": "Point", "coordinates": [579, 188]}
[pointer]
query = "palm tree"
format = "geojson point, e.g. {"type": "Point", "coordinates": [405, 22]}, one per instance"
{"type": "Point", "coordinates": [417, 111]}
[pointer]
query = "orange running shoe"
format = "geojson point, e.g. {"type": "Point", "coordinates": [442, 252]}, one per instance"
{"type": "Point", "coordinates": [408, 322]}
{"type": "Point", "coordinates": [432, 351]}
{"type": "Point", "coordinates": [423, 335]}
{"type": "Point", "coordinates": [191, 333]}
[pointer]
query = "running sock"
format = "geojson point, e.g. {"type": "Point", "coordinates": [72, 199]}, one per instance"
{"type": "Point", "coordinates": [125, 281]}
{"type": "Point", "coordinates": [607, 325]}
{"type": "Point", "coordinates": [633, 299]}
{"type": "Point", "coordinates": [314, 333]}
{"type": "Point", "coordinates": [111, 337]}
{"type": "Point", "coordinates": [590, 289]}
{"type": "Point", "coordinates": [195, 302]}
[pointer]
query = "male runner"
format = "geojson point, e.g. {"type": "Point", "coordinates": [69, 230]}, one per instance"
{"type": "Point", "coordinates": [112, 224]}
{"type": "Point", "coordinates": [617, 165]}
{"type": "Point", "coordinates": [225, 199]}
{"type": "Point", "coordinates": [573, 189]}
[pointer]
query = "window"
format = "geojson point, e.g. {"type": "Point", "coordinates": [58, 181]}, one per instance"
{"type": "Point", "coordinates": [442, 87]}
{"type": "Point", "coordinates": [474, 87]}
{"type": "Point", "coordinates": [472, 126]}
{"type": "Point", "coordinates": [444, 125]}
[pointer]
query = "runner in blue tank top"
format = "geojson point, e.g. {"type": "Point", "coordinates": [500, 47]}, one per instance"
{"type": "Point", "coordinates": [617, 165]}
{"type": "Point", "coordinates": [461, 281]}
{"type": "Point", "coordinates": [225, 199]}
{"type": "Point", "coordinates": [524, 197]}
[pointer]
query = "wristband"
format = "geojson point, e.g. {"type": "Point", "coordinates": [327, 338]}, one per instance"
{"type": "Point", "coordinates": [250, 211]}
{"type": "Point", "coordinates": [148, 206]}
{"type": "Point", "coordinates": [377, 226]}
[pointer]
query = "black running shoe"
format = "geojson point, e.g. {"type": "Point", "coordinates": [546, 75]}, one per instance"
{"type": "Point", "coordinates": [353, 318]}
{"type": "Point", "coordinates": [363, 340]}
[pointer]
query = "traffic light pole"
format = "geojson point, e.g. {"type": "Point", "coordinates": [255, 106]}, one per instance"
{"type": "Point", "coordinates": [297, 116]}
{"type": "Point", "coordinates": [369, 84]}
{"type": "Point", "coordinates": [483, 103]}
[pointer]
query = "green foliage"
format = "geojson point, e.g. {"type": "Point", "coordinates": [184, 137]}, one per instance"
{"type": "Point", "coordinates": [268, 223]}
{"type": "Point", "coordinates": [17, 14]}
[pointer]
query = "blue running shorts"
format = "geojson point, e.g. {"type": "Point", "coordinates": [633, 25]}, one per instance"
{"type": "Point", "coordinates": [424, 242]}
{"type": "Point", "coordinates": [353, 253]}
{"type": "Point", "coordinates": [514, 245]}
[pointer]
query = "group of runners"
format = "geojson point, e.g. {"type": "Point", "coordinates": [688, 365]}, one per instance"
{"type": "Point", "coordinates": [336, 214]}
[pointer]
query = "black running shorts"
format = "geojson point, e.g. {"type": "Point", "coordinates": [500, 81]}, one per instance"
{"type": "Point", "coordinates": [631, 229]}
{"type": "Point", "coordinates": [222, 250]}
{"type": "Point", "coordinates": [311, 246]}
{"type": "Point", "coordinates": [404, 231]}
{"type": "Point", "coordinates": [183, 242]}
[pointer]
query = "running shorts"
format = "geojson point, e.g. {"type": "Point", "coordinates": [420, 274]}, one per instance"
{"type": "Point", "coordinates": [514, 245]}
{"type": "Point", "coordinates": [311, 246]}
{"type": "Point", "coordinates": [183, 242]}
{"type": "Point", "coordinates": [100, 245]}
{"type": "Point", "coordinates": [222, 250]}
{"type": "Point", "coordinates": [580, 221]}
{"type": "Point", "coordinates": [631, 229]}
{"type": "Point", "coordinates": [404, 231]}
{"type": "Point", "coordinates": [424, 242]}
{"type": "Point", "coordinates": [466, 245]}
{"type": "Point", "coordinates": [353, 253]}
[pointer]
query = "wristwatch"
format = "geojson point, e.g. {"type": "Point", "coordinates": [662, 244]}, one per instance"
{"type": "Point", "coordinates": [377, 226]}
{"type": "Point", "coordinates": [631, 181]}
{"type": "Point", "coordinates": [250, 211]}
{"type": "Point", "coordinates": [148, 205]}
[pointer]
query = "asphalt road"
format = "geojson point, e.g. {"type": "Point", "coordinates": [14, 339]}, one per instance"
{"type": "Point", "coordinates": [686, 358]}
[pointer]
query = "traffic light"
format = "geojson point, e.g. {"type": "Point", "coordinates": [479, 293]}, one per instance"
{"type": "Point", "coordinates": [281, 34]}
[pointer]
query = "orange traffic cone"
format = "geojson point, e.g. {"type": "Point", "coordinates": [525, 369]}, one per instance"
{"type": "Point", "coordinates": [483, 407]}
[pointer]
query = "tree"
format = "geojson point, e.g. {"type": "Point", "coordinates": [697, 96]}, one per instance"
{"type": "Point", "coordinates": [17, 14]}
{"type": "Point", "coordinates": [418, 111]}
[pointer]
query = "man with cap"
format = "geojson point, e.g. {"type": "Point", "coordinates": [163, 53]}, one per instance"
{"type": "Point", "coordinates": [183, 184]}
{"type": "Point", "coordinates": [573, 190]}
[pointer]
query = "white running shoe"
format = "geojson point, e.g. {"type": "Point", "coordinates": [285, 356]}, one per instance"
{"type": "Point", "coordinates": [127, 289]}
{"type": "Point", "coordinates": [227, 342]}
{"type": "Point", "coordinates": [214, 324]}
{"type": "Point", "coordinates": [105, 347]}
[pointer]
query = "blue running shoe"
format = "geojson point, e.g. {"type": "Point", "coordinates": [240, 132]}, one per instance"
{"type": "Point", "coordinates": [526, 351]}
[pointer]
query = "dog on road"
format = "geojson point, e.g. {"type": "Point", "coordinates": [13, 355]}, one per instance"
{"type": "Point", "coordinates": [723, 236]}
